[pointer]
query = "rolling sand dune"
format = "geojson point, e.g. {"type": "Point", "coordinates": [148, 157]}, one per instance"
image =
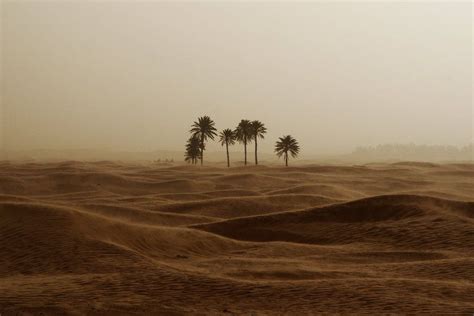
{"type": "Point", "coordinates": [116, 238]}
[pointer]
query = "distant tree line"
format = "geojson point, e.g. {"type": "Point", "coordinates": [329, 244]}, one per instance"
{"type": "Point", "coordinates": [414, 152]}
{"type": "Point", "coordinates": [245, 133]}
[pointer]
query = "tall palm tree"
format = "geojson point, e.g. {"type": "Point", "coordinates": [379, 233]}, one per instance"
{"type": "Point", "coordinates": [203, 128]}
{"type": "Point", "coordinates": [227, 137]}
{"type": "Point", "coordinates": [258, 131]}
{"type": "Point", "coordinates": [287, 144]}
{"type": "Point", "coordinates": [243, 134]}
{"type": "Point", "coordinates": [193, 150]}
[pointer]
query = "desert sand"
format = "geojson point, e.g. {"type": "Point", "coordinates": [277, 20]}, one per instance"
{"type": "Point", "coordinates": [120, 238]}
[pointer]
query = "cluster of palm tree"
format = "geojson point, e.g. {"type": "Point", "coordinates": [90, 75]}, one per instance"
{"type": "Point", "coordinates": [193, 150]}
{"type": "Point", "coordinates": [201, 130]}
{"type": "Point", "coordinates": [246, 132]}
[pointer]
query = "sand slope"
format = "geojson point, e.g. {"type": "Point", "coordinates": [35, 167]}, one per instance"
{"type": "Point", "coordinates": [116, 238]}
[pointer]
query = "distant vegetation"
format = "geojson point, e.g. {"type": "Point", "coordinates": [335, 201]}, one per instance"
{"type": "Point", "coordinates": [285, 145]}
{"type": "Point", "coordinates": [193, 150]}
{"type": "Point", "coordinates": [202, 129]}
{"type": "Point", "coordinates": [246, 131]}
{"type": "Point", "coordinates": [243, 133]}
{"type": "Point", "coordinates": [227, 138]}
{"type": "Point", "coordinates": [404, 152]}
{"type": "Point", "coordinates": [258, 131]}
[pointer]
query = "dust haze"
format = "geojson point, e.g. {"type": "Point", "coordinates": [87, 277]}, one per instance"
{"type": "Point", "coordinates": [340, 179]}
{"type": "Point", "coordinates": [133, 76]}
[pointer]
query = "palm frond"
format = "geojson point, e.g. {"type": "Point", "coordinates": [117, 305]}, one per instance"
{"type": "Point", "coordinates": [227, 136]}
{"type": "Point", "coordinates": [287, 144]}
{"type": "Point", "coordinates": [258, 129]}
{"type": "Point", "coordinates": [243, 132]}
{"type": "Point", "coordinates": [205, 127]}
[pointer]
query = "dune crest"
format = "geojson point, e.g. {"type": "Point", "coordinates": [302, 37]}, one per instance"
{"type": "Point", "coordinates": [107, 237]}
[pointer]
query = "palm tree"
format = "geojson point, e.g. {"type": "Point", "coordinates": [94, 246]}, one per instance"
{"type": "Point", "coordinates": [204, 129]}
{"type": "Point", "coordinates": [193, 150]}
{"type": "Point", "coordinates": [258, 131]}
{"type": "Point", "coordinates": [243, 134]}
{"type": "Point", "coordinates": [227, 137]}
{"type": "Point", "coordinates": [287, 144]}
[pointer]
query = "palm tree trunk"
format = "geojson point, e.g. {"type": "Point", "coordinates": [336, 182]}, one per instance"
{"type": "Point", "coordinates": [256, 159]}
{"type": "Point", "coordinates": [245, 151]}
{"type": "Point", "coordinates": [202, 149]}
{"type": "Point", "coordinates": [227, 149]}
{"type": "Point", "coordinates": [286, 159]}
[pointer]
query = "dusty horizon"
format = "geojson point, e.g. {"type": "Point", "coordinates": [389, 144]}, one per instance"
{"type": "Point", "coordinates": [114, 200]}
{"type": "Point", "coordinates": [380, 153]}
{"type": "Point", "coordinates": [136, 75]}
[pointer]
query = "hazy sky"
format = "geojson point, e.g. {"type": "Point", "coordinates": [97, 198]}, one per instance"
{"type": "Point", "coordinates": [134, 75]}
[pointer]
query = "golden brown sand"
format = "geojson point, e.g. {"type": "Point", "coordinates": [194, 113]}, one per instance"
{"type": "Point", "coordinates": [112, 238]}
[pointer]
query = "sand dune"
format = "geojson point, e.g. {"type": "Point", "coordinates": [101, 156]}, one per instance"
{"type": "Point", "coordinates": [391, 220]}
{"type": "Point", "coordinates": [244, 206]}
{"type": "Point", "coordinates": [119, 238]}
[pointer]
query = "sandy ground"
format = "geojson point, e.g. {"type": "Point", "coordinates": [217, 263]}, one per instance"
{"type": "Point", "coordinates": [112, 238]}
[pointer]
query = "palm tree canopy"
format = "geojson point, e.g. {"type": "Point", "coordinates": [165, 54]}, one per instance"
{"type": "Point", "coordinates": [189, 157]}
{"type": "Point", "coordinates": [227, 136]}
{"type": "Point", "coordinates": [204, 127]}
{"type": "Point", "coordinates": [258, 129]}
{"type": "Point", "coordinates": [287, 144]}
{"type": "Point", "coordinates": [193, 143]}
{"type": "Point", "coordinates": [243, 132]}
{"type": "Point", "coordinates": [193, 148]}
